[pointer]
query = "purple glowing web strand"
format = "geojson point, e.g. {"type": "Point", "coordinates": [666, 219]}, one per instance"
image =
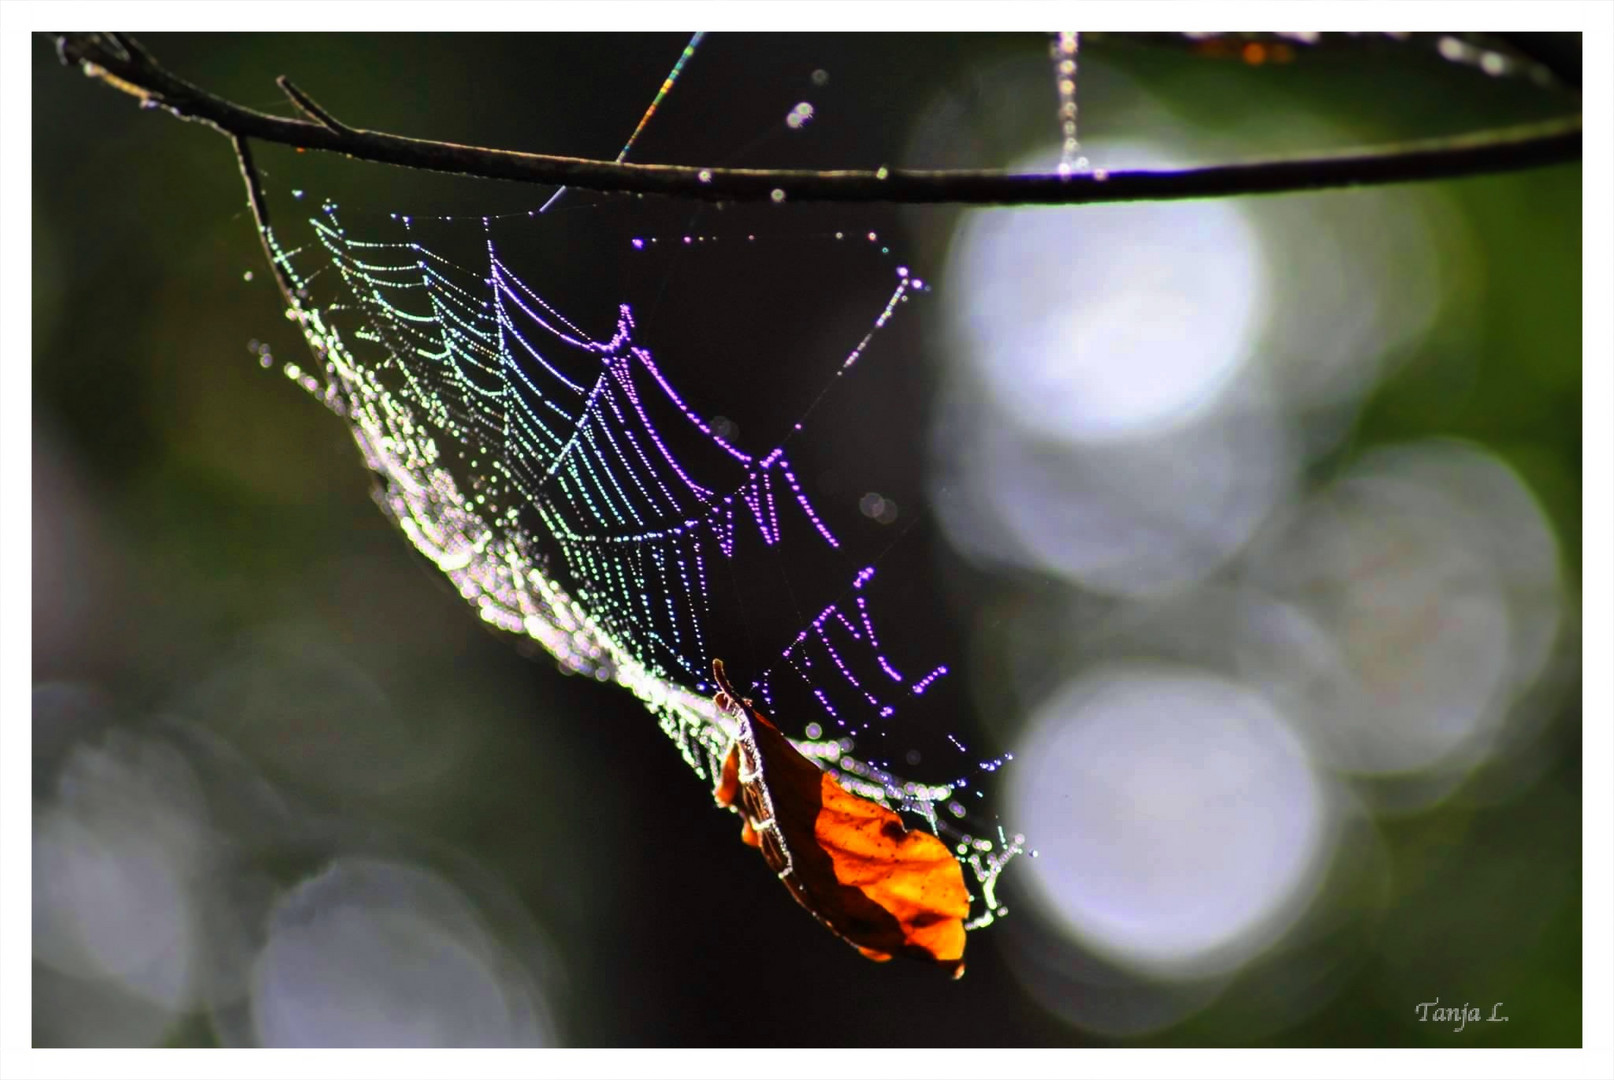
{"type": "Point", "coordinates": [575, 335]}
{"type": "Point", "coordinates": [760, 502]}
{"type": "Point", "coordinates": [638, 451]}
{"type": "Point", "coordinates": [874, 643]}
{"type": "Point", "coordinates": [621, 371]}
{"type": "Point", "coordinates": [673, 506]}
{"type": "Point", "coordinates": [748, 494]}
{"type": "Point", "coordinates": [920, 686]}
{"type": "Point", "coordinates": [501, 286]}
{"type": "Point", "coordinates": [841, 666]}
{"type": "Point", "coordinates": [841, 618]}
{"type": "Point", "coordinates": [763, 507]}
{"type": "Point", "coordinates": [801, 497]}
{"type": "Point", "coordinates": [571, 335]}
{"type": "Point", "coordinates": [703, 494]}
{"type": "Point", "coordinates": [816, 629]}
{"type": "Point", "coordinates": [633, 473]}
{"type": "Point", "coordinates": [690, 414]}
{"type": "Point", "coordinates": [506, 324]}
{"type": "Point", "coordinates": [723, 529]}
{"type": "Point", "coordinates": [625, 326]}
{"type": "Point", "coordinates": [868, 624]}
{"type": "Point", "coordinates": [767, 497]}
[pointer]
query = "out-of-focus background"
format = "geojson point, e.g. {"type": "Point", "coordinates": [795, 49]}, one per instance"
{"type": "Point", "coordinates": [1250, 526]}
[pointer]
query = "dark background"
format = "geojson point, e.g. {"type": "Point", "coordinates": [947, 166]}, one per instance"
{"type": "Point", "coordinates": [209, 565]}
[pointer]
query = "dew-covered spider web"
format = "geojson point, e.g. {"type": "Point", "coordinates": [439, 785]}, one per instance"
{"type": "Point", "coordinates": [517, 384]}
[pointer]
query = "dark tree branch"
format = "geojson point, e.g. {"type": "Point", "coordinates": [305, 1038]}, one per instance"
{"type": "Point", "coordinates": [119, 61]}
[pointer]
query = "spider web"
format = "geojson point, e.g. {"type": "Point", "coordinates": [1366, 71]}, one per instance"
{"type": "Point", "coordinates": [558, 477]}
{"type": "Point", "coordinates": [535, 466]}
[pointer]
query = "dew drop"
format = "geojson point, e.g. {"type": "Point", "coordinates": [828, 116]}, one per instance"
{"type": "Point", "coordinates": [704, 176]}
{"type": "Point", "coordinates": [820, 77]}
{"type": "Point", "coordinates": [777, 195]}
{"type": "Point", "coordinates": [247, 276]}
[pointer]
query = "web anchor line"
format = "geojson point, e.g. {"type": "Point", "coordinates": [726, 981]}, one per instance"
{"type": "Point", "coordinates": [655, 103]}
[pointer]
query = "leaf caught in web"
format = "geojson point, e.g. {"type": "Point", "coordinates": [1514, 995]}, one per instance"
{"type": "Point", "coordinates": [886, 889]}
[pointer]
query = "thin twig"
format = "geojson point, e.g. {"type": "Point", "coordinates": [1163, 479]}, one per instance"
{"type": "Point", "coordinates": [121, 63]}
{"type": "Point", "coordinates": [310, 107]}
{"type": "Point", "coordinates": [260, 215]}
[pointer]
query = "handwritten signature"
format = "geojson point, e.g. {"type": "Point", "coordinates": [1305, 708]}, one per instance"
{"type": "Point", "coordinates": [1462, 1014]}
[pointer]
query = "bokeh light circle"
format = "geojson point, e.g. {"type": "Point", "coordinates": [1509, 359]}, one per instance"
{"type": "Point", "coordinates": [1404, 608]}
{"type": "Point", "coordinates": [1179, 824]}
{"type": "Point", "coordinates": [377, 953]}
{"type": "Point", "coordinates": [1091, 323]}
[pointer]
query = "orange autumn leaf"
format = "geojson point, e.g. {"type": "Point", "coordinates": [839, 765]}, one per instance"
{"type": "Point", "coordinates": [887, 889]}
